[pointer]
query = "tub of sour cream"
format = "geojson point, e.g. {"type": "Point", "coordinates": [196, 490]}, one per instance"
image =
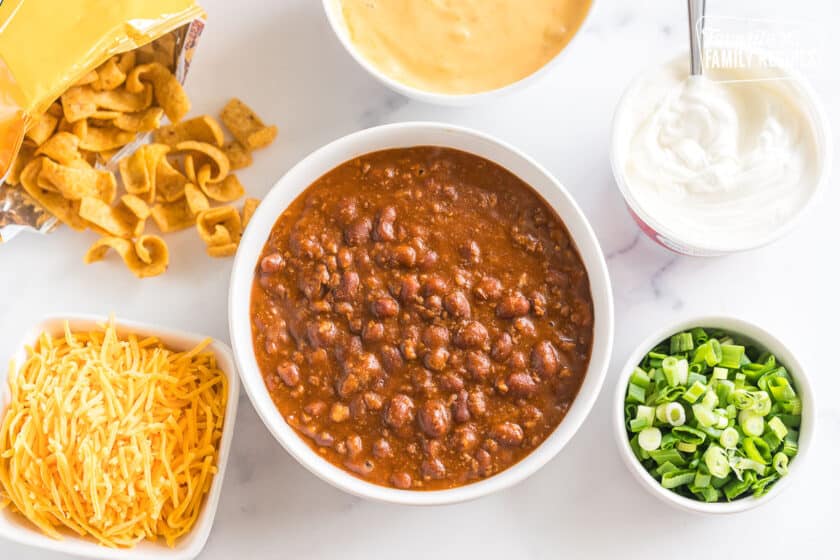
{"type": "Point", "coordinates": [719, 163]}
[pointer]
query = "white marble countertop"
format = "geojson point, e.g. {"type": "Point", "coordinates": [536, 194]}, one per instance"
{"type": "Point", "coordinates": [283, 60]}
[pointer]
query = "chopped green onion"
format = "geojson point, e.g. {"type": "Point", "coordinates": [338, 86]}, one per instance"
{"type": "Point", "coordinates": [751, 422]}
{"type": "Point", "coordinates": [716, 461]}
{"type": "Point", "coordinates": [710, 400]}
{"type": "Point", "coordinates": [677, 478]}
{"type": "Point", "coordinates": [781, 389]}
{"type": "Point", "coordinates": [666, 467]}
{"type": "Point", "coordinates": [793, 406]}
{"type": "Point", "coordinates": [675, 414]}
{"type": "Point", "coordinates": [699, 335]}
{"type": "Point", "coordinates": [682, 342]}
{"type": "Point", "coordinates": [668, 455]}
{"type": "Point", "coordinates": [650, 439]}
{"type": "Point", "coordinates": [704, 415]}
{"type": "Point", "coordinates": [686, 447]}
{"type": "Point", "coordinates": [694, 392]}
{"type": "Point", "coordinates": [635, 394]}
{"type": "Point", "coordinates": [729, 438]}
{"type": "Point", "coordinates": [689, 434]}
{"type": "Point", "coordinates": [702, 479]}
{"type": "Point", "coordinates": [644, 419]}
{"type": "Point", "coordinates": [778, 427]}
{"type": "Point", "coordinates": [757, 450]}
{"type": "Point", "coordinates": [640, 377]}
{"type": "Point", "coordinates": [771, 439]}
{"type": "Point", "coordinates": [720, 373]}
{"type": "Point", "coordinates": [660, 413]}
{"type": "Point", "coordinates": [731, 355]}
{"type": "Point", "coordinates": [737, 487]}
{"type": "Point", "coordinates": [742, 464]}
{"type": "Point", "coordinates": [723, 388]}
{"type": "Point", "coordinates": [780, 463]}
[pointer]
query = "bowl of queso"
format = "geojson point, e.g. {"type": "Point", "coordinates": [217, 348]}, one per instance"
{"type": "Point", "coordinates": [456, 53]}
{"type": "Point", "coordinates": [421, 314]}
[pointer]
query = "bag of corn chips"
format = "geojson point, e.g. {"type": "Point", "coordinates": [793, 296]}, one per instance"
{"type": "Point", "coordinates": [66, 85]}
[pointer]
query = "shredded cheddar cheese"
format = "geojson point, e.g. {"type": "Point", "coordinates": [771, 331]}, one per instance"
{"type": "Point", "coordinates": [112, 437]}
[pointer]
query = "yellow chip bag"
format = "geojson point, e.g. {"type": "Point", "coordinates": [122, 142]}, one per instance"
{"type": "Point", "coordinates": [148, 256]}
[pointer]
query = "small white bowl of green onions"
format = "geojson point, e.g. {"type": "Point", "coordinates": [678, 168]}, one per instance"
{"type": "Point", "coordinates": [714, 415]}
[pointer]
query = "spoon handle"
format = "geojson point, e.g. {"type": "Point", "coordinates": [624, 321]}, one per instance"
{"type": "Point", "coordinates": [696, 11]}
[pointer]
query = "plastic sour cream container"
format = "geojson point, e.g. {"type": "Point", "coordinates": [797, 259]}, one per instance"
{"type": "Point", "coordinates": [722, 162]}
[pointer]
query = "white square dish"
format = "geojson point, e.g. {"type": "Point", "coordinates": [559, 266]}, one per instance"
{"type": "Point", "coordinates": [16, 528]}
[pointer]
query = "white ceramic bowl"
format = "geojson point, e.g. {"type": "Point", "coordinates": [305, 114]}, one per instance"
{"type": "Point", "coordinates": [332, 8]}
{"type": "Point", "coordinates": [396, 136]}
{"type": "Point", "coordinates": [15, 528]}
{"type": "Point", "coordinates": [762, 339]}
{"type": "Point", "coordinates": [620, 140]}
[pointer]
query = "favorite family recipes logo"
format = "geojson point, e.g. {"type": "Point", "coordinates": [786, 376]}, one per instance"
{"type": "Point", "coordinates": [771, 48]}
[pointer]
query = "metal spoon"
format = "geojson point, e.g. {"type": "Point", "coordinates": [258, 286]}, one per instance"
{"type": "Point", "coordinates": [696, 11]}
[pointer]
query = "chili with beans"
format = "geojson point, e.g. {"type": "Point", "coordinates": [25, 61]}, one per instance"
{"type": "Point", "coordinates": [421, 317]}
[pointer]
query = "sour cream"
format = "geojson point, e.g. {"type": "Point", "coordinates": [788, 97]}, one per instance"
{"type": "Point", "coordinates": [717, 162]}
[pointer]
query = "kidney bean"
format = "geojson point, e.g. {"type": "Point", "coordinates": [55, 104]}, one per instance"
{"type": "Point", "coordinates": [470, 251]}
{"type": "Point", "coordinates": [354, 444]}
{"type": "Point", "coordinates": [451, 382]}
{"type": "Point", "coordinates": [408, 348]}
{"type": "Point", "coordinates": [525, 327]}
{"type": "Point", "coordinates": [272, 263]}
{"type": "Point", "coordinates": [315, 408]}
{"type": "Point", "coordinates": [363, 468]}
{"type": "Point", "coordinates": [404, 255]}
{"type": "Point", "coordinates": [471, 335]}
{"type": "Point", "coordinates": [478, 364]}
{"type": "Point", "coordinates": [461, 406]}
{"type": "Point", "coordinates": [518, 360]}
{"type": "Point", "coordinates": [373, 331]}
{"type": "Point", "coordinates": [531, 416]}
{"type": "Point", "coordinates": [435, 336]}
{"type": "Point", "coordinates": [428, 260]}
{"type": "Point", "coordinates": [385, 224]}
{"type": "Point", "coordinates": [382, 449]}
{"type": "Point", "coordinates": [358, 231]}
{"type": "Point", "coordinates": [513, 305]}
{"type": "Point", "coordinates": [521, 384]}
{"type": "Point", "coordinates": [289, 373]}
{"type": "Point", "coordinates": [457, 304]}
{"type": "Point", "coordinates": [347, 384]}
{"type": "Point", "coordinates": [485, 462]}
{"type": "Point", "coordinates": [488, 289]}
{"type": "Point", "coordinates": [409, 289]}
{"type": "Point", "coordinates": [401, 480]}
{"type": "Point", "coordinates": [502, 347]}
{"type": "Point", "coordinates": [466, 438]}
{"type": "Point", "coordinates": [400, 411]}
{"type": "Point", "coordinates": [544, 358]}
{"type": "Point", "coordinates": [347, 287]}
{"type": "Point", "coordinates": [325, 439]}
{"type": "Point", "coordinates": [434, 417]}
{"type": "Point", "coordinates": [508, 433]}
{"type": "Point", "coordinates": [435, 285]}
{"type": "Point", "coordinates": [385, 306]}
{"type": "Point", "coordinates": [321, 333]}
{"type": "Point", "coordinates": [477, 403]}
{"type": "Point", "coordinates": [391, 358]}
{"type": "Point", "coordinates": [433, 469]}
{"type": "Point", "coordinates": [347, 209]}
{"type": "Point", "coordinates": [344, 258]}
{"type": "Point", "coordinates": [435, 359]}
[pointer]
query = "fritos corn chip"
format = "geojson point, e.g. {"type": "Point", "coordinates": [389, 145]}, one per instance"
{"type": "Point", "coordinates": [62, 208]}
{"type": "Point", "coordinates": [172, 216]}
{"type": "Point", "coordinates": [228, 190]}
{"type": "Point", "coordinates": [167, 90]}
{"type": "Point", "coordinates": [248, 209]}
{"type": "Point", "coordinates": [196, 201]}
{"type": "Point", "coordinates": [246, 126]}
{"type": "Point", "coordinates": [62, 147]}
{"type": "Point", "coordinates": [148, 256]}
{"type": "Point", "coordinates": [201, 129]}
{"type": "Point", "coordinates": [217, 156]}
{"type": "Point", "coordinates": [237, 155]}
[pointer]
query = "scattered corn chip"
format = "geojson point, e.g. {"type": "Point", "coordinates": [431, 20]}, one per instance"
{"type": "Point", "coordinates": [200, 129]}
{"type": "Point", "coordinates": [196, 201]}
{"type": "Point", "coordinates": [246, 126]}
{"type": "Point", "coordinates": [217, 155]}
{"type": "Point", "coordinates": [172, 216]}
{"type": "Point", "coordinates": [237, 155]}
{"type": "Point", "coordinates": [148, 256]}
{"type": "Point", "coordinates": [248, 209]}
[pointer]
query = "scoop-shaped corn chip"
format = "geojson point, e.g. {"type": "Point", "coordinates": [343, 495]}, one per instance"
{"type": "Point", "coordinates": [62, 147]}
{"type": "Point", "coordinates": [189, 168]}
{"type": "Point", "coordinates": [219, 226]}
{"type": "Point", "coordinates": [138, 171]}
{"type": "Point", "coordinates": [127, 61]}
{"type": "Point", "coordinates": [228, 190]}
{"type": "Point", "coordinates": [143, 121]}
{"type": "Point", "coordinates": [222, 251]}
{"type": "Point", "coordinates": [148, 256]}
{"type": "Point", "coordinates": [219, 158]}
{"type": "Point", "coordinates": [246, 126]}
{"type": "Point", "coordinates": [196, 201]}
{"type": "Point", "coordinates": [248, 209]}
{"type": "Point", "coordinates": [78, 103]}
{"type": "Point", "coordinates": [109, 75]}
{"type": "Point", "coordinates": [169, 181]}
{"type": "Point", "coordinates": [167, 90]}
{"type": "Point", "coordinates": [97, 139]}
{"type": "Point", "coordinates": [42, 128]}
{"type": "Point", "coordinates": [77, 181]}
{"type": "Point", "coordinates": [88, 78]}
{"type": "Point", "coordinates": [125, 101]}
{"type": "Point", "coordinates": [116, 221]}
{"type": "Point", "coordinates": [238, 156]}
{"type": "Point", "coordinates": [172, 216]}
{"type": "Point", "coordinates": [136, 205]}
{"type": "Point", "coordinates": [65, 210]}
{"type": "Point", "coordinates": [201, 129]}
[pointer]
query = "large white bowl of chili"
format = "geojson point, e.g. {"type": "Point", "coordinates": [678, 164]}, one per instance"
{"type": "Point", "coordinates": [405, 135]}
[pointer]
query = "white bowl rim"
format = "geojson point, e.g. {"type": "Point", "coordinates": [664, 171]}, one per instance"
{"type": "Point", "coordinates": [764, 339]}
{"type": "Point", "coordinates": [190, 545]}
{"type": "Point", "coordinates": [240, 330]}
{"type": "Point", "coordinates": [451, 99]}
{"type": "Point", "coordinates": [822, 136]}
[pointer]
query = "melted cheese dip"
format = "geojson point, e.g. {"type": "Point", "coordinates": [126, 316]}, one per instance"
{"type": "Point", "coordinates": [461, 46]}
